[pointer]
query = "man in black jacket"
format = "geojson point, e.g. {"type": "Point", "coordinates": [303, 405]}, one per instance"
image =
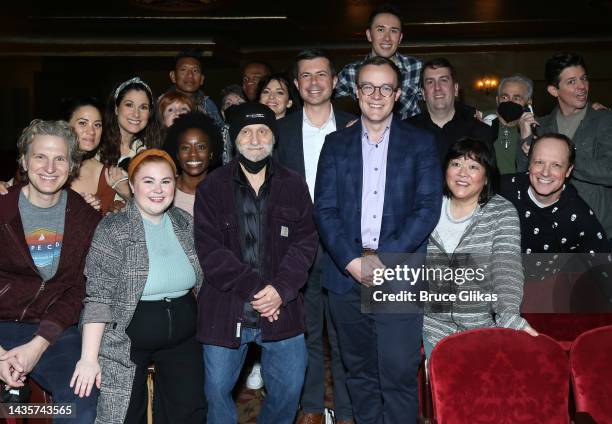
{"type": "Point", "coordinates": [301, 137]}
{"type": "Point", "coordinates": [449, 121]}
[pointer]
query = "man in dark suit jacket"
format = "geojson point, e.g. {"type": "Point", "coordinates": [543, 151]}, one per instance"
{"type": "Point", "coordinates": [378, 193]}
{"type": "Point", "coordinates": [301, 137]}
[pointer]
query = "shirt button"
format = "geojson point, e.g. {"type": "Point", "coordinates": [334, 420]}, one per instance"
{"type": "Point", "coordinates": [374, 238]}
{"type": "Point", "coordinates": [375, 192]}
{"type": "Point", "coordinates": [374, 216]}
{"type": "Point", "coordinates": [375, 169]}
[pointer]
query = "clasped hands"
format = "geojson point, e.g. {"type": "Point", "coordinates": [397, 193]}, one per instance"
{"type": "Point", "coordinates": [267, 302]}
{"type": "Point", "coordinates": [16, 363]}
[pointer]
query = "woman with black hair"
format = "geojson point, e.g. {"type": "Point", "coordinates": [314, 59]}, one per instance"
{"type": "Point", "coordinates": [475, 251]}
{"type": "Point", "coordinates": [195, 144]}
{"type": "Point", "coordinates": [276, 92]}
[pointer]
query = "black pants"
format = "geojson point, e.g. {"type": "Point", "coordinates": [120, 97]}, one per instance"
{"type": "Point", "coordinates": [163, 332]}
{"type": "Point", "coordinates": [316, 304]}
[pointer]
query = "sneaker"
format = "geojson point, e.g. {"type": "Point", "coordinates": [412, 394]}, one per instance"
{"type": "Point", "coordinates": [254, 380]}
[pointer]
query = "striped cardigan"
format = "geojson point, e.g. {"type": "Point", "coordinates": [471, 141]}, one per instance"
{"type": "Point", "coordinates": [492, 243]}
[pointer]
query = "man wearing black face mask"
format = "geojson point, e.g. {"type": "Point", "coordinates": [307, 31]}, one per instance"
{"type": "Point", "coordinates": [513, 95]}
{"type": "Point", "coordinates": [255, 238]}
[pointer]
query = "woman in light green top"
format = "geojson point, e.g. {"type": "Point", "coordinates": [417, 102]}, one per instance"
{"type": "Point", "coordinates": [140, 307]}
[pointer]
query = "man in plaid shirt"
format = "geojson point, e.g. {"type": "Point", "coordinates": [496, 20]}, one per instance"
{"type": "Point", "coordinates": [385, 33]}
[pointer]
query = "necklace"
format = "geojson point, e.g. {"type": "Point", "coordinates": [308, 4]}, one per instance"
{"type": "Point", "coordinates": [506, 137]}
{"type": "Point", "coordinates": [449, 216]}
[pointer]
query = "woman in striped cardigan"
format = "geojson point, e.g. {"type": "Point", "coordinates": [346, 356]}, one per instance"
{"type": "Point", "coordinates": [474, 265]}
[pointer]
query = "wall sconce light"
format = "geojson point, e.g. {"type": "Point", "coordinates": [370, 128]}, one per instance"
{"type": "Point", "coordinates": [487, 84]}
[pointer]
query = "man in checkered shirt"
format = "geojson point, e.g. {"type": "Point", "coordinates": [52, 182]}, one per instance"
{"type": "Point", "coordinates": [385, 33]}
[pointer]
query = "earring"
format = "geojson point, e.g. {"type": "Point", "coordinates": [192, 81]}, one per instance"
{"type": "Point", "coordinates": [210, 156]}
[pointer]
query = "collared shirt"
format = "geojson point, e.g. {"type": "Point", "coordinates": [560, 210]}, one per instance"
{"type": "Point", "coordinates": [252, 210]}
{"type": "Point", "coordinates": [374, 154]}
{"type": "Point", "coordinates": [407, 105]}
{"type": "Point", "coordinates": [313, 138]}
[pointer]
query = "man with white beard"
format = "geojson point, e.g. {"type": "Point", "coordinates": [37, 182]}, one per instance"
{"type": "Point", "coordinates": [255, 238]}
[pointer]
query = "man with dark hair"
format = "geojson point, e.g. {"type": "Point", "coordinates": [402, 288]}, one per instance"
{"type": "Point", "coordinates": [301, 137]}
{"type": "Point", "coordinates": [45, 232]}
{"type": "Point", "coordinates": [378, 194]}
{"type": "Point", "coordinates": [188, 78]}
{"type": "Point", "coordinates": [446, 118]}
{"type": "Point", "coordinates": [589, 129]}
{"type": "Point", "coordinates": [384, 32]}
{"type": "Point", "coordinates": [252, 73]}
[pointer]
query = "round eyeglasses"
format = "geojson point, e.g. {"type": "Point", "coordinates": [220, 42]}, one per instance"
{"type": "Point", "coordinates": [384, 90]}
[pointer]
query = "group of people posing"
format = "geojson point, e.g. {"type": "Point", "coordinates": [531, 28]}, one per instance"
{"type": "Point", "coordinates": [168, 232]}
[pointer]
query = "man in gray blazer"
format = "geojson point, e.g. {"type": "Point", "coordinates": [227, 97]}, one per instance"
{"type": "Point", "coordinates": [589, 129]}
{"type": "Point", "coordinates": [301, 137]}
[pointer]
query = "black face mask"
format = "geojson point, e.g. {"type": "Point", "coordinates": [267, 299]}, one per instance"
{"type": "Point", "coordinates": [253, 167]}
{"type": "Point", "coordinates": [510, 111]}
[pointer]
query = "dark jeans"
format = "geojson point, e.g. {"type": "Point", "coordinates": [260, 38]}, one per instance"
{"type": "Point", "coordinates": [316, 305]}
{"type": "Point", "coordinates": [163, 333]}
{"type": "Point", "coordinates": [381, 352]}
{"type": "Point", "coordinates": [55, 367]}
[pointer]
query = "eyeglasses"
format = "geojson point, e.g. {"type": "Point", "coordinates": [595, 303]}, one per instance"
{"type": "Point", "coordinates": [384, 90]}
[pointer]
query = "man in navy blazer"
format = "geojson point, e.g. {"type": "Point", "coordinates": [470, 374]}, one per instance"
{"type": "Point", "coordinates": [378, 192]}
{"type": "Point", "coordinates": [301, 138]}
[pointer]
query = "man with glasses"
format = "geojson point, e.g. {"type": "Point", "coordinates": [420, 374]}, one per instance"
{"type": "Point", "coordinates": [448, 120]}
{"type": "Point", "coordinates": [378, 194]}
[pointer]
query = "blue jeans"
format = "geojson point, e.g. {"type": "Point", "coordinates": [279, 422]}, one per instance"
{"type": "Point", "coordinates": [283, 364]}
{"type": "Point", "coordinates": [55, 367]}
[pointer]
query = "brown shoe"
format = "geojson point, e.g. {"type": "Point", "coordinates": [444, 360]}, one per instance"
{"type": "Point", "coordinates": [310, 418]}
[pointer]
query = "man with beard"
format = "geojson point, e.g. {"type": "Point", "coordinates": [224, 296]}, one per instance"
{"type": "Point", "coordinates": [590, 130]}
{"type": "Point", "coordinates": [256, 240]}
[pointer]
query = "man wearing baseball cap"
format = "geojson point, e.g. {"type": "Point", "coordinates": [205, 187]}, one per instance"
{"type": "Point", "coordinates": [255, 238]}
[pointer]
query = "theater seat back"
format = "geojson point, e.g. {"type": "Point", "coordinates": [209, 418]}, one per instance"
{"type": "Point", "coordinates": [501, 376]}
{"type": "Point", "coordinates": [591, 369]}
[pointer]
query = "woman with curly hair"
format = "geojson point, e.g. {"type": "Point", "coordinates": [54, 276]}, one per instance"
{"type": "Point", "coordinates": [195, 144]}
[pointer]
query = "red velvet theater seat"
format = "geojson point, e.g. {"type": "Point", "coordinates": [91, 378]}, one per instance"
{"type": "Point", "coordinates": [591, 368]}
{"type": "Point", "coordinates": [501, 376]}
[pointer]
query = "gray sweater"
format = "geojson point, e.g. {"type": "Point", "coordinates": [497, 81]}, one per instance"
{"type": "Point", "coordinates": [492, 243]}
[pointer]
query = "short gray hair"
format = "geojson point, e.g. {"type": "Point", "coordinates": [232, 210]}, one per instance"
{"type": "Point", "coordinates": [521, 79]}
{"type": "Point", "coordinates": [59, 129]}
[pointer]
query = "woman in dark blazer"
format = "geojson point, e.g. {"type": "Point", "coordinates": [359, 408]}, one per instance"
{"type": "Point", "coordinates": [140, 306]}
